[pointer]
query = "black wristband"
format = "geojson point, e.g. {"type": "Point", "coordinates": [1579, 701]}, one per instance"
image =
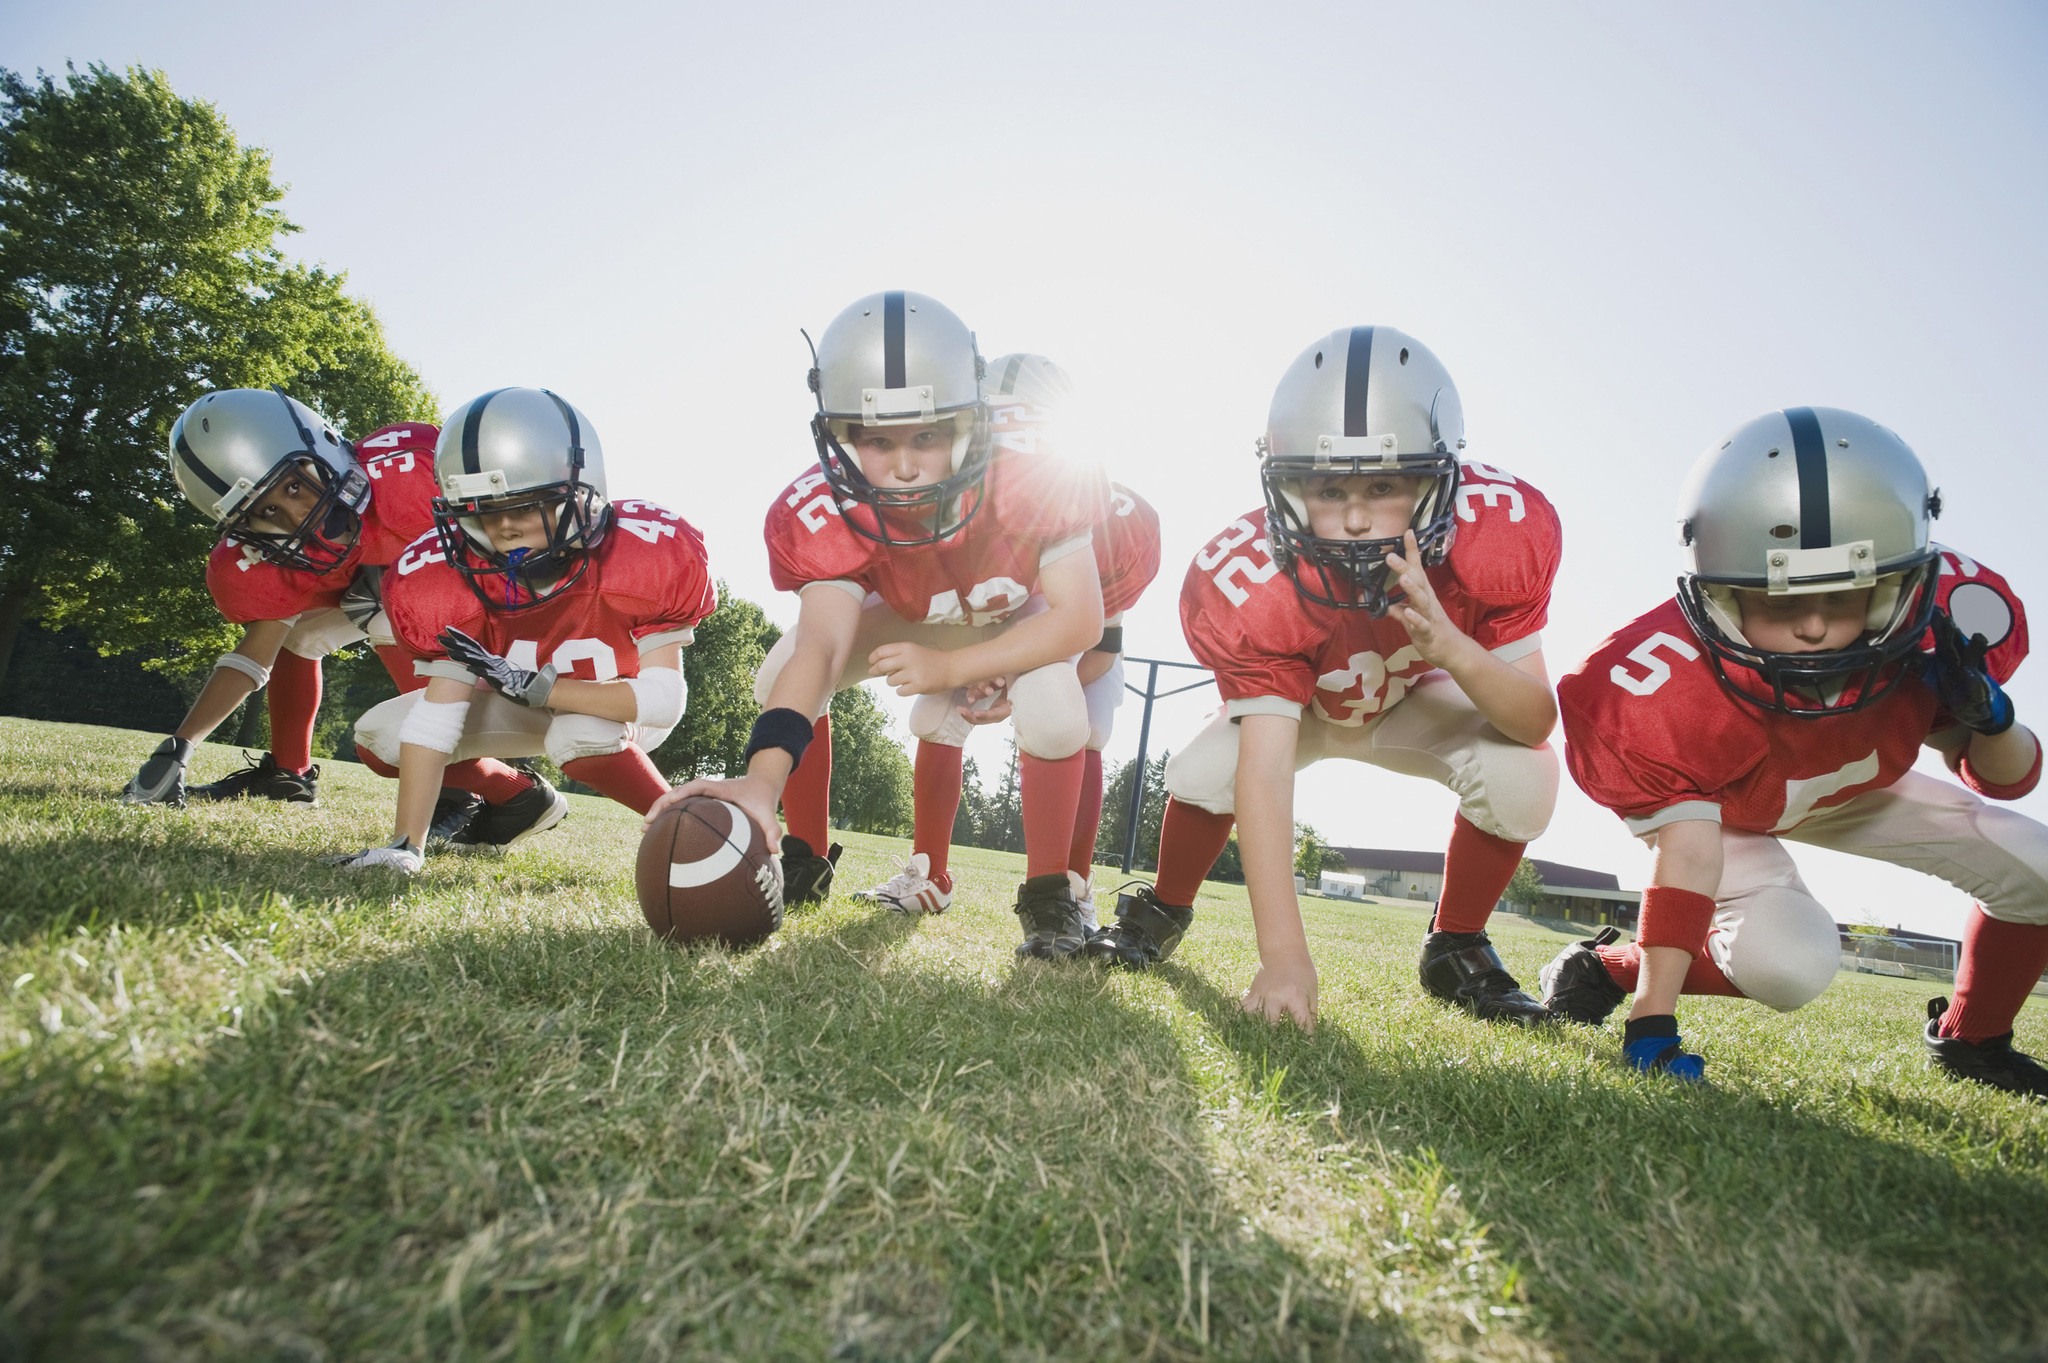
{"type": "Point", "coordinates": [1112, 640]}
{"type": "Point", "coordinates": [1655, 1024]}
{"type": "Point", "coordinates": [782, 728]}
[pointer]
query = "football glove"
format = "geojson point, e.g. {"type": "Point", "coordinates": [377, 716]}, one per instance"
{"type": "Point", "coordinates": [518, 684]}
{"type": "Point", "coordinates": [162, 778]}
{"type": "Point", "coordinates": [361, 602]}
{"type": "Point", "coordinates": [398, 855]}
{"type": "Point", "coordinates": [1956, 673]}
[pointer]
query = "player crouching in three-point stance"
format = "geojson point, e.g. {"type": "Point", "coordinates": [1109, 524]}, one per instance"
{"type": "Point", "coordinates": [921, 557]}
{"type": "Point", "coordinates": [1383, 607]}
{"type": "Point", "coordinates": [1026, 395]}
{"type": "Point", "coordinates": [1817, 640]}
{"type": "Point", "coordinates": [306, 519]}
{"type": "Point", "coordinates": [544, 619]}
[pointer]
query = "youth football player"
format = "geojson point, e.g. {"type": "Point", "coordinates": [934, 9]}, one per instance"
{"type": "Point", "coordinates": [544, 619]}
{"type": "Point", "coordinates": [1384, 606]}
{"type": "Point", "coordinates": [1026, 394]}
{"type": "Point", "coordinates": [924, 556]}
{"type": "Point", "coordinates": [305, 516]}
{"type": "Point", "coordinates": [1818, 639]}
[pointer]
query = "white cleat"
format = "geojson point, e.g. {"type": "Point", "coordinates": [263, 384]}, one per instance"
{"type": "Point", "coordinates": [910, 890]}
{"type": "Point", "coordinates": [1084, 899]}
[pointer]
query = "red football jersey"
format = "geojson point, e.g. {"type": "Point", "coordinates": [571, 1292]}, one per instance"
{"type": "Point", "coordinates": [649, 576]}
{"type": "Point", "coordinates": [1649, 727]}
{"type": "Point", "coordinates": [400, 461]}
{"type": "Point", "coordinates": [1246, 622]}
{"type": "Point", "coordinates": [1126, 549]}
{"type": "Point", "coordinates": [984, 573]}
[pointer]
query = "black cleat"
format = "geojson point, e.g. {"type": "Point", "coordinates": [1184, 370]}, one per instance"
{"type": "Point", "coordinates": [1053, 927]}
{"type": "Point", "coordinates": [806, 876]}
{"type": "Point", "coordinates": [1464, 969]}
{"type": "Point", "coordinates": [531, 811]}
{"type": "Point", "coordinates": [1992, 1061]}
{"type": "Point", "coordinates": [1576, 985]}
{"type": "Point", "coordinates": [263, 780]}
{"type": "Point", "coordinates": [453, 813]}
{"type": "Point", "coordinates": [1145, 932]}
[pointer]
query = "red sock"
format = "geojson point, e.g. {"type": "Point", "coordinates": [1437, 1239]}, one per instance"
{"type": "Point", "coordinates": [1477, 869]}
{"type": "Point", "coordinates": [628, 776]}
{"type": "Point", "coordinates": [807, 799]}
{"type": "Point", "coordinates": [935, 800]}
{"type": "Point", "coordinates": [2000, 962]}
{"type": "Point", "coordinates": [294, 701]}
{"type": "Point", "coordinates": [1625, 962]}
{"type": "Point", "coordinates": [485, 776]}
{"type": "Point", "coordinates": [375, 763]}
{"type": "Point", "coordinates": [1190, 840]}
{"type": "Point", "coordinates": [1050, 792]}
{"type": "Point", "coordinates": [1088, 818]}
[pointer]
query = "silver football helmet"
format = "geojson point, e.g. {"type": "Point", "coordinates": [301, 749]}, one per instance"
{"type": "Point", "coordinates": [900, 359]}
{"type": "Point", "coordinates": [511, 449]}
{"type": "Point", "coordinates": [232, 449]}
{"type": "Point", "coordinates": [1361, 400]}
{"type": "Point", "coordinates": [1027, 395]}
{"type": "Point", "coordinates": [1810, 499]}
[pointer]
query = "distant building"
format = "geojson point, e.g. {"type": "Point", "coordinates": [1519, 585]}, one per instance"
{"type": "Point", "coordinates": [1569, 892]}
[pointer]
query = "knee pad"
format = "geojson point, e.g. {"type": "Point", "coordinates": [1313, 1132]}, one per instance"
{"type": "Point", "coordinates": [572, 736]}
{"type": "Point", "coordinates": [1204, 773]}
{"type": "Point", "coordinates": [1784, 951]}
{"type": "Point", "coordinates": [377, 729]}
{"type": "Point", "coordinates": [318, 633]}
{"type": "Point", "coordinates": [1049, 711]}
{"type": "Point", "coordinates": [1517, 790]}
{"type": "Point", "coordinates": [936, 719]}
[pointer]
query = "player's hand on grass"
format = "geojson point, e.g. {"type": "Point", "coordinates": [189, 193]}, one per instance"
{"type": "Point", "coordinates": [913, 669]}
{"type": "Point", "coordinates": [162, 778]}
{"type": "Point", "coordinates": [521, 685]}
{"type": "Point", "coordinates": [398, 855]}
{"type": "Point", "coordinates": [754, 794]}
{"type": "Point", "coordinates": [1283, 993]}
{"type": "Point", "coordinates": [1956, 672]}
{"type": "Point", "coordinates": [1431, 631]}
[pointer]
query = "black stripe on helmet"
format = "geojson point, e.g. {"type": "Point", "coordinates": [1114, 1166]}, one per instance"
{"type": "Point", "coordinates": [1010, 372]}
{"type": "Point", "coordinates": [575, 431]}
{"type": "Point", "coordinates": [191, 460]}
{"type": "Point", "coordinates": [1810, 450]}
{"type": "Point", "coordinates": [1357, 380]}
{"type": "Point", "coordinates": [472, 457]}
{"type": "Point", "coordinates": [892, 340]}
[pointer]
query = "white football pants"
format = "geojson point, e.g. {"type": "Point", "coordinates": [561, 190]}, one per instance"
{"type": "Point", "coordinates": [317, 633]}
{"type": "Point", "coordinates": [1504, 788]}
{"type": "Point", "coordinates": [1047, 705]}
{"type": "Point", "coordinates": [497, 727]}
{"type": "Point", "coordinates": [1778, 944]}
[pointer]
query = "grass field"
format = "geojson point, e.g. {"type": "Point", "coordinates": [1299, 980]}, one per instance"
{"type": "Point", "coordinates": [255, 1108]}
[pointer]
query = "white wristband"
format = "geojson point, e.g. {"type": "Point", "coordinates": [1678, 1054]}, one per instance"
{"type": "Point", "coordinates": [247, 666]}
{"type": "Point", "coordinates": [660, 691]}
{"type": "Point", "coordinates": [435, 724]}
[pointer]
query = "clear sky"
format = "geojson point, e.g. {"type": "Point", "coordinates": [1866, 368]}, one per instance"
{"type": "Point", "coordinates": [1626, 229]}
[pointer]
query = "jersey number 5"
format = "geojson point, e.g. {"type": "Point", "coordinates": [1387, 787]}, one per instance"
{"type": "Point", "coordinates": [1655, 670]}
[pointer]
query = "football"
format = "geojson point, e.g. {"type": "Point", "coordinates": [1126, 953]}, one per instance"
{"type": "Point", "coordinates": [706, 874]}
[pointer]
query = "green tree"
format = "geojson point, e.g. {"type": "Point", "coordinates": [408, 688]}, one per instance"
{"type": "Point", "coordinates": [139, 267]}
{"type": "Point", "coordinates": [973, 814]}
{"type": "Point", "coordinates": [1116, 808]}
{"type": "Point", "coordinates": [719, 666]}
{"type": "Point", "coordinates": [1312, 854]}
{"type": "Point", "coordinates": [871, 776]}
{"type": "Point", "coordinates": [1525, 887]}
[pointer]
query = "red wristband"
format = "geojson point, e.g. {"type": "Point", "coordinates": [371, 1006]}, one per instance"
{"type": "Point", "coordinates": [2023, 786]}
{"type": "Point", "coordinates": [1675, 918]}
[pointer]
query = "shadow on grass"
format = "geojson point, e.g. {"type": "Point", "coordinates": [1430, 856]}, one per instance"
{"type": "Point", "coordinates": [1655, 1221]}
{"type": "Point", "coordinates": [576, 1143]}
